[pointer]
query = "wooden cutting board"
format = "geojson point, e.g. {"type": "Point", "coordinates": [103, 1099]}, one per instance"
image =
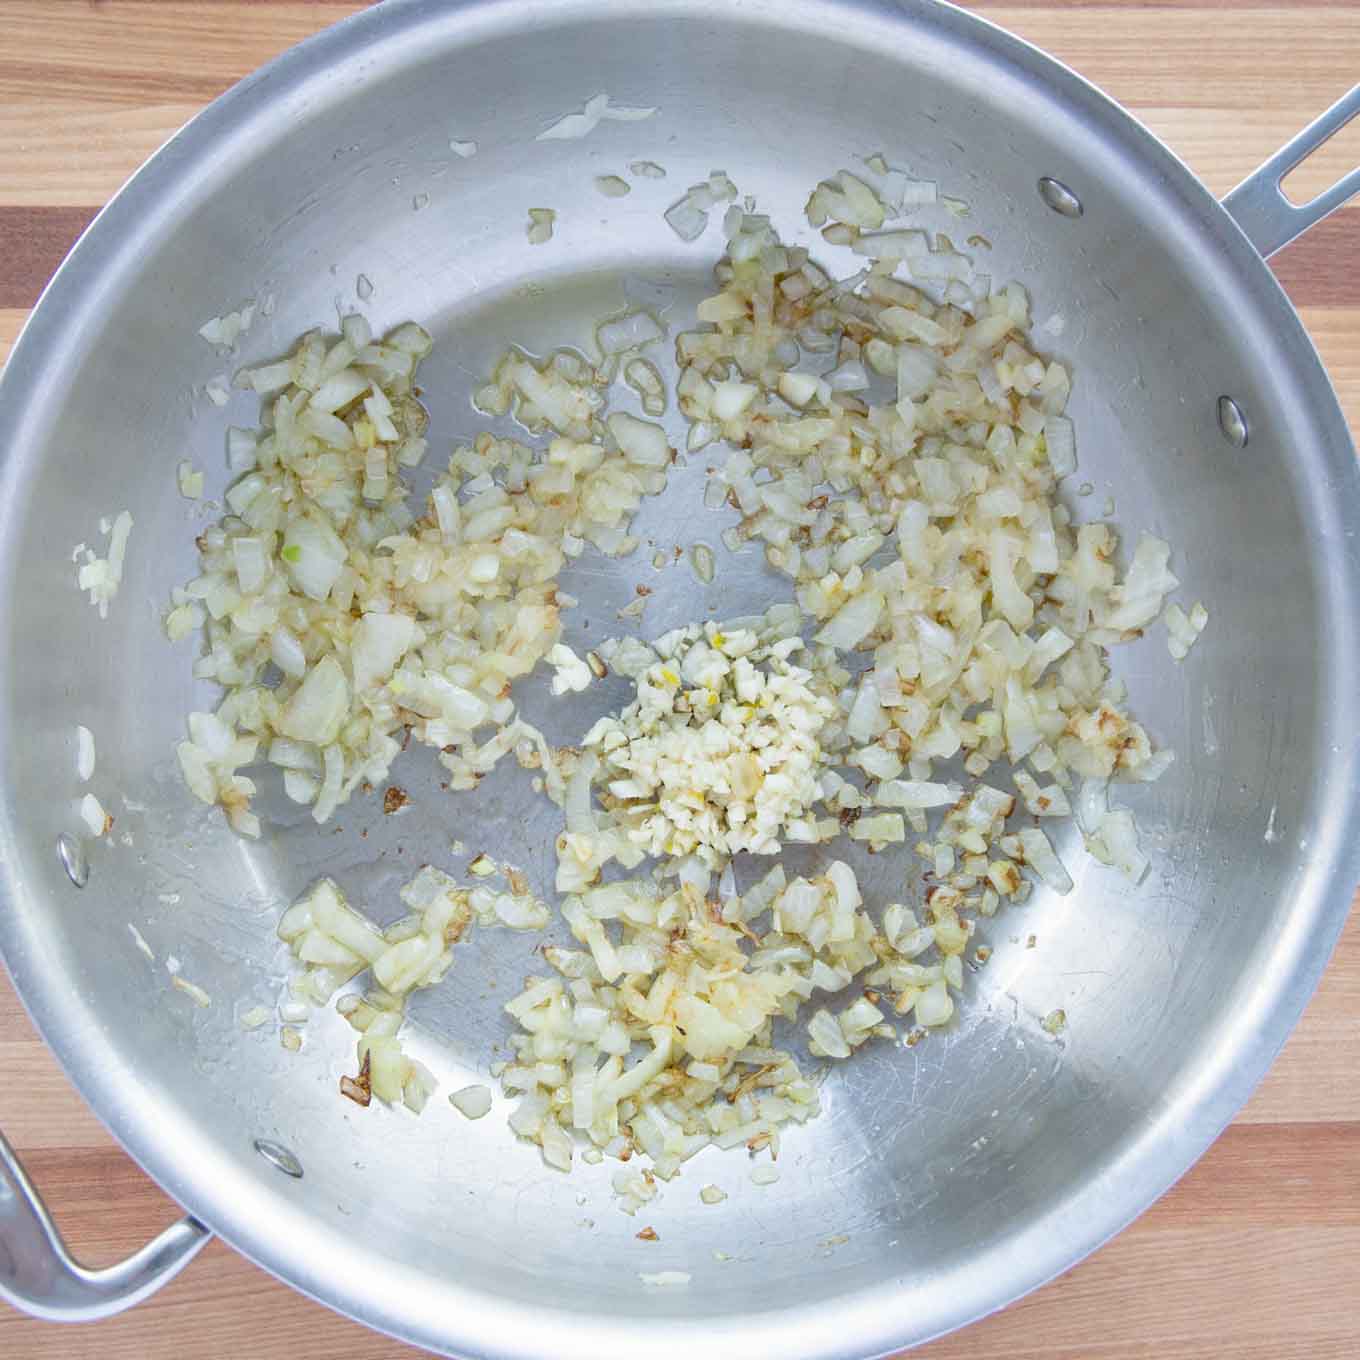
{"type": "Point", "coordinates": [1257, 1252]}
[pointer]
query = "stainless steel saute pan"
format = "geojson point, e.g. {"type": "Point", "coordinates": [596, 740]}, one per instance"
{"type": "Point", "coordinates": [960, 1173]}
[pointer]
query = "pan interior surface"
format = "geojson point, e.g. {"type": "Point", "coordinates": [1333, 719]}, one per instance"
{"type": "Point", "coordinates": [940, 1181]}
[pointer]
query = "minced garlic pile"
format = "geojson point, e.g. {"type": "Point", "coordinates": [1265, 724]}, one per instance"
{"type": "Point", "coordinates": [719, 751]}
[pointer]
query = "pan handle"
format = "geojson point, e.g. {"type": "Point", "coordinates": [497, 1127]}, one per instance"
{"type": "Point", "coordinates": [39, 1276]}
{"type": "Point", "coordinates": [1258, 204]}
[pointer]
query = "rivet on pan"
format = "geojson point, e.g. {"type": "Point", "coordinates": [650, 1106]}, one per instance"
{"type": "Point", "coordinates": [1059, 197]}
{"type": "Point", "coordinates": [72, 856]}
{"type": "Point", "coordinates": [278, 1156]}
{"type": "Point", "coordinates": [1232, 421]}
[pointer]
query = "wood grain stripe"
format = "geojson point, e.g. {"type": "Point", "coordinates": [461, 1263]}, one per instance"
{"type": "Point", "coordinates": [1271, 1176]}
{"type": "Point", "coordinates": [78, 147]}
{"type": "Point", "coordinates": [1224, 154]}
{"type": "Point", "coordinates": [140, 51]}
{"type": "Point", "coordinates": [72, 150]}
{"type": "Point", "coordinates": [1115, 8]}
{"type": "Point", "coordinates": [35, 243]}
{"type": "Point", "coordinates": [174, 51]}
{"type": "Point", "coordinates": [1322, 269]}
{"type": "Point", "coordinates": [1332, 1345]}
{"type": "Point", "coordinates": [1192, 58]}
{"type": "Point", "coordinates": [1221, 1299]}
{"type": "Point", "coordinates": [1336, 333]}
{"type": "Point", "coordinates": [103, 1181]}
{"type": "Point", "coordinates": [49, 1116]}
{"type": "Point", "coordinates": [221, 1306]}
{"type": "Point", "coordinates": [1174, 1287]}
{"type": "Point", "coordinates": [1221, 1288]}
{"type": "Point", "coordinates": [11, 319]}
{"type": "Point", "coordinates": [57, 152]}
{"type": "Point", "coordinates": [1088, 5]}
{"type": "Point", "coordinates": [1308, 1081]}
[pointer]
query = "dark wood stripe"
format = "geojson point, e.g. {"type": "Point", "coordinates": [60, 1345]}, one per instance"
{"type": "Point", "coordinates": [1087, 5]}
{"type": "Point", "coordinates": [1124, 5]}
{"type": "Point", "coordinates": [1322, 269]}
{"type": "Point", "coordinates": [102, 1193]}
{"type": "Point", "coordinates": [33, 242]}
{"type": "Point", "coordinates": [364, 4]}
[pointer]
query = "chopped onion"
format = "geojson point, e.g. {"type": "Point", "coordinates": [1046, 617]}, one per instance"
{"type": "Point", "coordinates": [190, 480]}
{"type": "Point", "coordinates": [101, 577]}
{"type": "Point", "coordinates": [934, 1006]}
{"type": "Point", "coordinates": [540, 228]}
{"type": "Point", "coordinates": [93, 815]}
{"type": "Point", "coordinates": [1183, 629]}
{"type": "Point", "coordinates": [702, 561]}
{"type": "Point", "coordinates": [225, 330]}
{"type": "Point", "coordinates": [732, 398]}
{"type": "Point", "coordinates": [598, 108]}
{"type": "Point", "coordinates": [1138, 600]}
{"type": "Point", "coordinates": [687, 219]}
{"type": "Point", "coordinates": [1039, 855]}
{"type": "Point", "coordinates": [314, 556]}
{"type": "Point", "coordinates": [848, 377]}
{"type": "Point", "coordinates": [190, 989]}
{"type": "Point", "coordinates": [315, 712]}
{"type": "Point", "coordinates": [84, 753]}
{"type": "Point", "coordinates": [571, 673]}
{"type": "Point", "coordinates": [1115, 842]}
{"type": "Point", "coordinates": [918, 193]}
{"type": "Point", "coordinates": [473, 1102]}
{"type": "Point", "coordinates": [629, 331]}
{"type": "Point", "coordinates": [956, 615]}
{"type": "Point", "coordinates": [619, 113]}
{"type": "Point", "coordinates": [241, 447]}
{"type": "Point", "coordinates": [572, 126]}
{"type": "Point", "coordinates": [853, 622]}
{"type": "Point", "coordinates": [915, 793]}
{"type": "Point", "coordinates": [892, 245]}
{"type": "Point", "coordinates": [380, 642]}
{"type": "Point", "coordinates": [1060, 441]}
{"type": "Point", "coordinates": [641, 442]}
